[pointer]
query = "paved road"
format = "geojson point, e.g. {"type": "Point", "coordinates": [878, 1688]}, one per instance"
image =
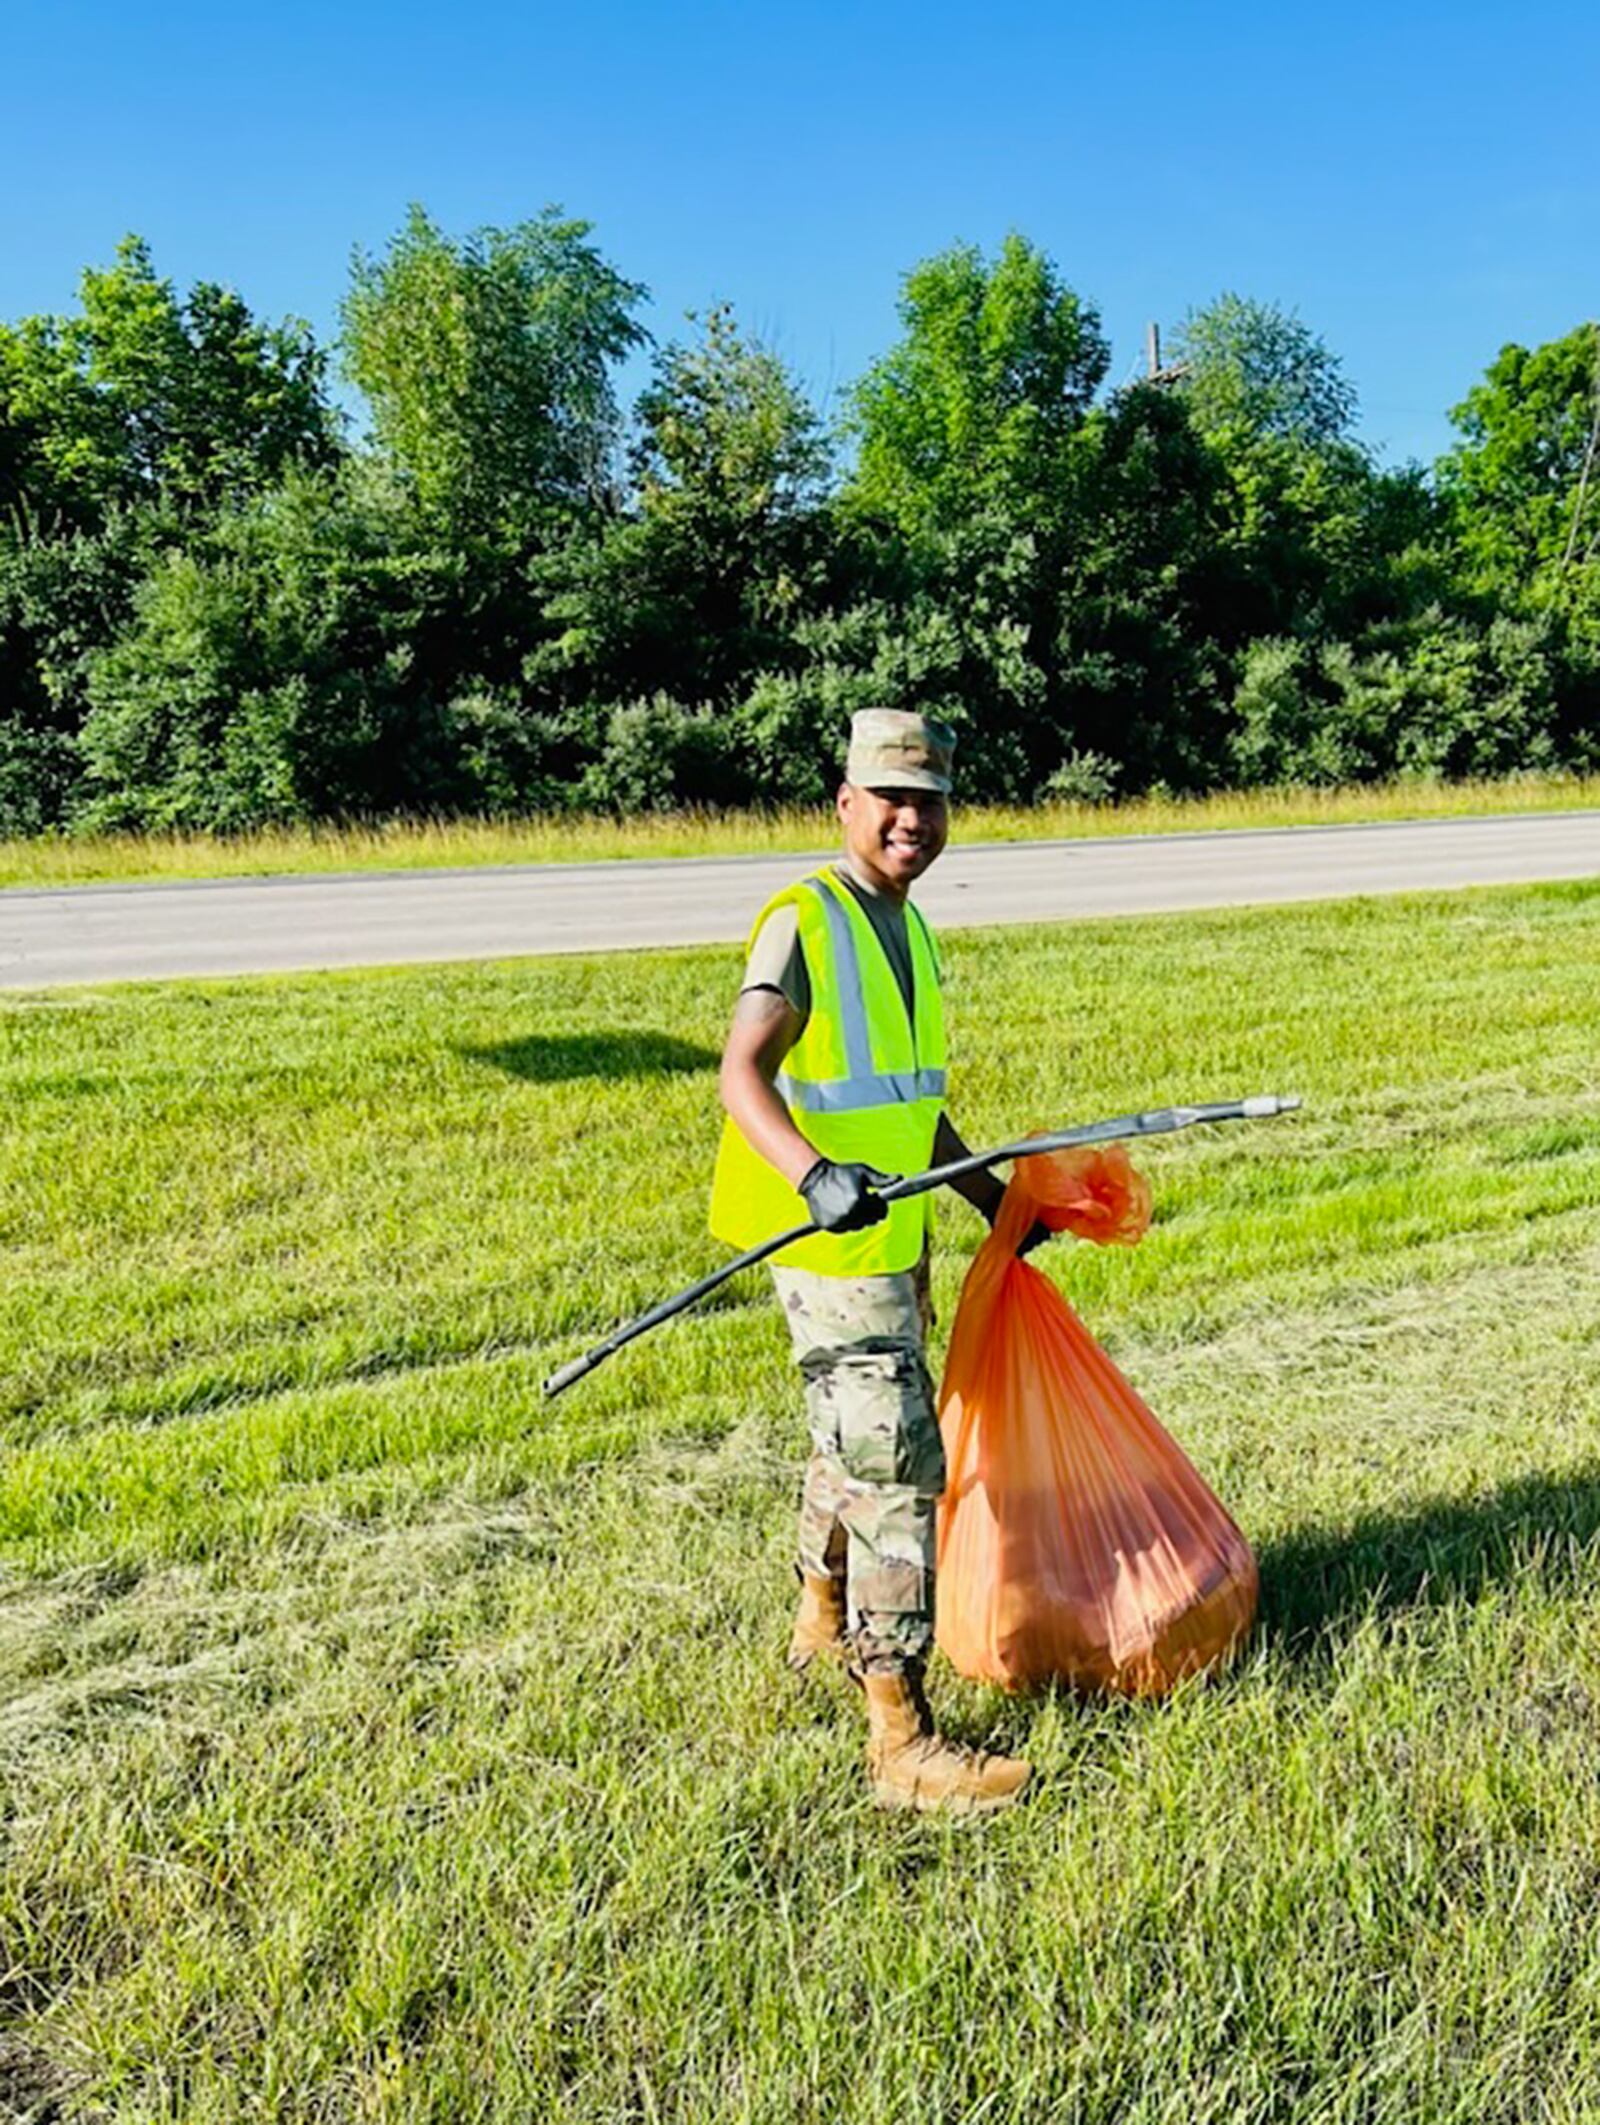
{"type": "Point", "coordinates": [259, 925]}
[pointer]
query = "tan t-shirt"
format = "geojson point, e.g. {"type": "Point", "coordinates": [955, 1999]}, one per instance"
{"type": "Point", "coordinates": [777, 962]}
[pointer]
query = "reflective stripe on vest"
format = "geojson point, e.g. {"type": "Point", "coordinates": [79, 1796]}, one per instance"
{"type": "Point", "coordinates": [848, 1095]}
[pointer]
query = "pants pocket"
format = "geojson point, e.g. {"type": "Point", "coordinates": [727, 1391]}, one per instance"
{"type": "Point", "coordinates": [883, 1408]}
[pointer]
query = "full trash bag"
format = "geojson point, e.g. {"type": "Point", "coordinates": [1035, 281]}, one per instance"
{"type": "Point", "coordinates": [1075, 1538]}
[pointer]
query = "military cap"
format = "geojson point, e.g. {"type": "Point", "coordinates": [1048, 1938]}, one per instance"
{"type": "Point", "coordinates": [896, 748]}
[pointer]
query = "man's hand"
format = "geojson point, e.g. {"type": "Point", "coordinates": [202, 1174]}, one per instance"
{"type": "Point", "coordinates": [841, 1198]}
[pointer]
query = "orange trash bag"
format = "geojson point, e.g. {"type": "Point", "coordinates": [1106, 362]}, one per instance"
{"type": "Point", "coordinates": [1075, 1538]}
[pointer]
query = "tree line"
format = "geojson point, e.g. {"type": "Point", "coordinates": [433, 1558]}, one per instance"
{"type": "Point", "coordinates": [220, 608]}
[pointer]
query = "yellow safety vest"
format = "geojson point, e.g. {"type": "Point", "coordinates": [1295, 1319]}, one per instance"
{"type": "Point", "coordinates": [863, 1082]}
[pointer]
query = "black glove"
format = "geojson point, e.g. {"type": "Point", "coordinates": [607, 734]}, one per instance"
{"type": "Point", "coordinates": [840, 1198]}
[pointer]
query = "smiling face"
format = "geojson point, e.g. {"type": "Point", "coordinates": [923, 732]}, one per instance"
{"type": "Point", "coordinates": [892, 835]}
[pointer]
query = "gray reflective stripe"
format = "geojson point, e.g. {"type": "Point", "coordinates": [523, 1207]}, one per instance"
{"type": "Point", "coordinates": [852, 1003]}
{"type": "Point", "coordinates": [847, 1095]}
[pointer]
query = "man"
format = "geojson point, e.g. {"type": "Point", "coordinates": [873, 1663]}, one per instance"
{"type": "Point", "coordinates": [833, 1079]}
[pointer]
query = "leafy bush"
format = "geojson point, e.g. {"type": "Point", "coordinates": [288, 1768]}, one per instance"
{"type": "Point", "coordinates": [1479, 703]}
{"type": "Point", "coordinates": [1287, 728]}
{"type": "Point", "coordinates": [1082, 778]}
{"type": "Point", "coordinates": [61, 601]}
{"type": "Point", "coordinates": [660, 756]}
{"type": "Point", "coordinates": [311, 656]}
{"type": "Point", "coordinates": [1450, 701]}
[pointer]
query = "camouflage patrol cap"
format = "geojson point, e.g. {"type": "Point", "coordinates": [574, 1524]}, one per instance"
{"type": "Point", "coordinates": [896, 748]}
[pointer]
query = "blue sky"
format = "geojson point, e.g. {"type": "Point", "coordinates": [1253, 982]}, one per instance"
{"type": "Point", "coordinates": [1419, 183]}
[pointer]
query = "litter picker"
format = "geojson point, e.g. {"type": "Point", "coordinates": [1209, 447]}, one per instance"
{"type": "Point", "coordinates": [1159, 1121]}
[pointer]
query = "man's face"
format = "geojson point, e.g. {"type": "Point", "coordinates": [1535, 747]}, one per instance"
{"type": "Point", "coordinates": [892, 835]}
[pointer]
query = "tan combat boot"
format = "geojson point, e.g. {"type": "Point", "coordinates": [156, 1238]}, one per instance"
{"type": "Point", "coordinates": [818, 1623]}
{"type": "Point", "coordinates": [913, 1767]}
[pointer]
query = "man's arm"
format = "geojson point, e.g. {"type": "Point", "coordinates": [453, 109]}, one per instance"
{"type": "Point", "coordinates": [982, 1188]}
{"type": "Point", "coordinates": [840, 1196]}
{"type": "Point", "coordinates": [765, 1027]}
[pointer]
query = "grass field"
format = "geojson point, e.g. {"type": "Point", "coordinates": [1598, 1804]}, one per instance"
{"type": "Point", "coordinates": [378, 1742]}
{"type": "Point", "coordinates": [423, 845]}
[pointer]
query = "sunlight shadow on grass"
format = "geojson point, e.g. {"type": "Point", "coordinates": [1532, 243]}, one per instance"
{"type": "Point", "coordinates": [1539, 1527]}
{"type": "Point", "coordinates": [629, 1051]}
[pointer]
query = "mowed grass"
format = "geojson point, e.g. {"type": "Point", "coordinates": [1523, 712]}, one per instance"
{"type": "Point", "coordinates": [380, 1742]}
{"type": "Point", "coordinates": [431, 844]}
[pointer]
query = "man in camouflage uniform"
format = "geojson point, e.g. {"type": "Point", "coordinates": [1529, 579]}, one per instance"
{"type": "Point", "coordinates": [867, 1522]}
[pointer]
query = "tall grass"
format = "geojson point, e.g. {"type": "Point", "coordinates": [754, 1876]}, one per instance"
{"type": "Point", "coordinates": [378, 1741]}
{"type": "Point", "coordinates": [425, 844]}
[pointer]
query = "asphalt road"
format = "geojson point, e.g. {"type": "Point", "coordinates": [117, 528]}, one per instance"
{"type": "Point", "coordinates": [377, 918]}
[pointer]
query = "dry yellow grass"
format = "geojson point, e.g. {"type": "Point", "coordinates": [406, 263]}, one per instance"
{"type": "Point", "coordinates": [445, 843]}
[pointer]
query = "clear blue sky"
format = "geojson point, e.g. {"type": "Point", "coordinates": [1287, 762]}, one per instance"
{"type": "Point", "coordinates": [1418, 182]}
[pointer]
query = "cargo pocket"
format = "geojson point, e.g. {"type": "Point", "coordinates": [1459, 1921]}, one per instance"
{"type": "Point", "coordinates": [888, 1433]}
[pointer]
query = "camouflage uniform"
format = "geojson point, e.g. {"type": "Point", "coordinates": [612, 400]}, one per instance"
{"type": "Point", "coordinates": [877, 1463]}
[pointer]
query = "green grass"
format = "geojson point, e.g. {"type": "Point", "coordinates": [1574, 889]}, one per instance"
{"type": "Point", "coordinates": [380, 1742]}
{"type": "Point", "coordinates": [429, 844]}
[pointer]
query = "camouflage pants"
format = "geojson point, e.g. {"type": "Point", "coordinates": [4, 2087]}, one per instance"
{"type": "Point", "coordinates": [877, 1462]}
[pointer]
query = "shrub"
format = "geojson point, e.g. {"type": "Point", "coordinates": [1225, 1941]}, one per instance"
{"type": "Point", "coordinates": [1082, 778]}
{"type": "Point", "coordinates": [660, 756]}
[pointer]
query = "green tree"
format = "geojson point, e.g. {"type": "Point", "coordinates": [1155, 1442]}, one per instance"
{"type": "Point", "coordinates": [700, 584]}
{"type": "Point", "coordinates": [730, 450]}
{"type": "Point", "coordinates": [1304, 513]}
{"type": "Point", "coordinates": [975, 409]}
{"type": "Point", "coordinates": [1256, 368]}
{"type": "Point", "coordinates": [1139, 664]}
{"type": "Point", "coordinates": [1523, 483]}
{"type": "Point", "coordinates": [122, 427]}
{"type": "Point", "coordinates": [142, 397]}
{"type": "Point", "coordinates": [962, 501]}
{"type": "Point", "coordinates": [487, 364]}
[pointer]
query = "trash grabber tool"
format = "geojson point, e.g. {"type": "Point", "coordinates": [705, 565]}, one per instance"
{"type": "Point", "coordinates": [1158, 1121]}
